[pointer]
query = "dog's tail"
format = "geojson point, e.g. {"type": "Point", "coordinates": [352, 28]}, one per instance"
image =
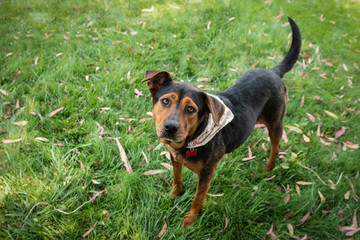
{"type": "Point", "coordinates": [291, 57]}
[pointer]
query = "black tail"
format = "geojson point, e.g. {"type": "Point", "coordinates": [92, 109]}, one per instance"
{"type": "Point", "coordinates": [291, 57]}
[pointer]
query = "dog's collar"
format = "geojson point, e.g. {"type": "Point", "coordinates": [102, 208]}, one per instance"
{"type": "Point", "coordinates": [211, 128]}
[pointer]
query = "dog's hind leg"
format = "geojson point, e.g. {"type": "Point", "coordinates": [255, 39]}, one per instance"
{"type": "Point", "coordinates": [275, 133]}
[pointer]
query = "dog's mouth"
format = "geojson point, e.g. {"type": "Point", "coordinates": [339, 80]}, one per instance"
{"type": "Point", "coordinates": [168, 138]}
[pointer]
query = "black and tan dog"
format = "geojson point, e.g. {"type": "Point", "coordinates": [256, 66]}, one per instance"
{"type": "Point", "coordinates": [199, 128]}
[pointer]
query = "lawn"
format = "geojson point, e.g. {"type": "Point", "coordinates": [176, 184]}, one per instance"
{"type": "Point", "coordinates": [71, 72]}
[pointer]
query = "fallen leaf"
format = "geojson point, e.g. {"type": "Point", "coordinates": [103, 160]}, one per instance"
{"type": "Point", "coordinates": [166, 165]}
{"type": "Point", "coordinates": [293, 128]}
{"type": "Point", "coordinates": [250, 155]}
{"type": "Point", "coordinates": [163, 230]}
{"type": "Point", "coordinates": [215, 195]}
{"type": "Point", "coordinates": [148, 9]}
{"type": "Point", "coordinates": [4, 92]}
{"type": "Point", "coordinates": [304, 183]}
{"type": "Point", "coordinates": [89, 24]}
{"type": "Point", "coordinates": [138, 93]}
{"type": "Point", "coordinates": [286, 199]}
{"type": "Point", "coordinates": [90, 230]}
{"type": "Point", "coordinates": [321, 197]}
{"type": "Point", "coordinates": [59, 54]}
{"type": "Point", "coordinates": [95, 182]}
{"type": "Point", "coordinates": [270, 232]}
{"type": "Point", "coordinates": [263, 147]}
{"type": "Point", "coordinates": [105, 212]}
{"type": "Point", "coordinates": [36, 60]}
{"type": "Point", "coordinates": [17, 104]}
{"type": "Point", "coordinates": [144, 120]}
{"type": "Point", "coordinates": [82, 166]}
{"type": "Point", "coordinates": [291, 228]}
{"type": "Point", "coordinates": [42, 139]}
{"type": "Point", "coordinates": [167, 155]}
{"type": "Point", "coordinates": [331, 114]}
{"type": "Point", "coordinates": [351, 145]}
{"type": "Point", "coordinates": [298, 190]}
{"type": "Point", "coordinates": [153, 172]}
{"type": "Point", "coordinates": [268, 179]}
{"type": "Point", "coordinates": [20, 123]}
{"type": "Point", "coordinates": [347, 195]}
{"type": "Point", "coordinates": [340, 132]}
{"type": "Point", "coordinates": [302, 101]}
{"type": "Point", "coordinates": [305, 138]}
{"type": "Point", "coordinates": [11, 141]}
{"type": "Point", "coordinates": [56, 111]}
{"type": "Point", "coordinates": [311, 117]}
{"type": "Point", "coordinates": [305, 218]}
{"type": "Point", "coordinates": [226, 223]}
{"type": "Point", "coordinates": [208, 25]}
{"type": "Point", "coordinates": [351, 230]}
{"type": "Point", "coordinates": [146, 159]}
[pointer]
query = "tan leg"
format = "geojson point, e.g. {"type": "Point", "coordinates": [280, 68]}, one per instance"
{"type": "Point", "coordinates": [203, 187]}
{"type": "Point", "coordinates": [177, 179]}
{"type": "Point", "coordinates": [275, 133]}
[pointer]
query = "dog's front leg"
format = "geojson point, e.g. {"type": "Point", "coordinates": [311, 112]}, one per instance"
{"type": "Point", "coordinates": [203, 187]}
{"type": "Point", "coordinates": [177, 178]}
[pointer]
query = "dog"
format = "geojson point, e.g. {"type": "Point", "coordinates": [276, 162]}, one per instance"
{"type": "Point", "coordinates": [199, 128]}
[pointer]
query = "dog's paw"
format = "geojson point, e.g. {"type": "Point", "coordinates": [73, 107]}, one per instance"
{"type": "Point", "coordinates": [189, 220]}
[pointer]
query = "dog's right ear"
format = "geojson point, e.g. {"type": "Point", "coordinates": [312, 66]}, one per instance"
{"type": "Point", "coordinates": [155, 80]}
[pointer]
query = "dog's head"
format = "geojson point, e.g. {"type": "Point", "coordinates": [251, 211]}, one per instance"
{"type": "Point", "coordinates": [178, 108]}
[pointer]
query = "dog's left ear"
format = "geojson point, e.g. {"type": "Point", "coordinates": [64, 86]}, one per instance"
{"type": "Point", "coordinates": [215, 107]}
{"type": "Point", "coordinates": [156, 79]}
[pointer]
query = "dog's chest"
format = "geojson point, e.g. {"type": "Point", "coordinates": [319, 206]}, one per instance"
{"type": "Point", "coordinates": [190, 163]}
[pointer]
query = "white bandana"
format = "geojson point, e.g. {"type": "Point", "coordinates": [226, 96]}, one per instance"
{"type": "Point", "coordinates": [211, 129]}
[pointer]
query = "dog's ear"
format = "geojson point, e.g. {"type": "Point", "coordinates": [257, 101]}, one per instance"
{"type": "Point", "coordinates": [215, 107]}
{"type": "Point", "coordinates": [156, 79]}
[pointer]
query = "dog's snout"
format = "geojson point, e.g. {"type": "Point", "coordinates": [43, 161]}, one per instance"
{"type": "Point", "coordinates": [171, 126]}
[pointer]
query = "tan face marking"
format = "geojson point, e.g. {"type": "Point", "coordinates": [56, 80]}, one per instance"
{"type": "Point", "coordinates": [187, 113]}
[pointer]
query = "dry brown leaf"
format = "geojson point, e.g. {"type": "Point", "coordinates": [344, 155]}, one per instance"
{"type": "Point", "coordinates": [42, 139]}
{"type": "Point", "coordinates": [311, 117]}
{"type": "Point", "coordinates": [166, 165]}
{"type": "Point", "coordinates": [305, 183]}
{"type": "Point", "coordinates": [163, 230]}
{"type": "Point", "coordinates": [306, 138]}
{"type": "Point", "coordinates": [4, 92]}
{"type": "Point", "coordinates": [270, 178]}
{"type": "Point", "coordinates": [144, 120]}
{"type": "Point", "coordinates": [146, 159]}
{"type": "Point", "coordinates": [291, 228]}
{"type": "Point", "coordinates": [270, 232]}
{"type": "Point", "coordinates": [298, 190]}
{"type": "Point", "coordinates": [293, 128]}
{"type": "Point", "coordinates": [167, 155]}
{"type": "Point", "coordinates": [302, 101]}
{"type": "Point", "coordinates": [56, 111]}
{"type": "Point", "coordinates": [331, 114]}
{"type": "Point", "coordinates": [286, 199]}
{"type": "Point", "coordinates": [138, 93]}
{"type": "Point", "coordinates": [123, 156]}
{"type": "Point", "coordinates": [90, 230]}
{"type": "Point", "coordinates": [95, 182]}
{"type": "Point", "coordinates": [148, 9]}
{"type": "Point", "coordinates": [321, 197]}
{"type": "Point", "coordinates": [82, 166]}
{"type": "Point", "coordinates": [20, 123]}
{"type": "Point", "coordinates": [347, 195]}
{"type": "Point", "coordinates": [7, 141]}
{"type": "Point", "coordinates": [340, 132]}
{"type": "Point", "coordinates": [215, 195]}
{"type": "Point", "coordinates": [153, 172]}
{"type": "Point", "coordinates": [305, 218]}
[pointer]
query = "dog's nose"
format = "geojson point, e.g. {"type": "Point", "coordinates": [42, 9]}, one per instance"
{"type": "Point", "coordinates": [171, 126]}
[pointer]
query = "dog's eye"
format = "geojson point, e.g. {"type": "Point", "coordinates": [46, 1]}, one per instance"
{"type": "Point", "coordinates": [190, 109]}
{"type": "Point", "coordinates": [165, 101]}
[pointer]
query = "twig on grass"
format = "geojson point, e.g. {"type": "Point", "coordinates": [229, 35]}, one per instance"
{"type": "Point", "coordinates": [331, 185]}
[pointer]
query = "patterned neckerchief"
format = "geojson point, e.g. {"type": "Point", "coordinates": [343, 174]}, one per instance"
{"type": "Point", "coordinates": [211, 128]}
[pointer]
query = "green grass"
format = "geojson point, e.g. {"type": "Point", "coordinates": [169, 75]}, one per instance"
{"type": "Point", "coordinates": [37, 177]}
